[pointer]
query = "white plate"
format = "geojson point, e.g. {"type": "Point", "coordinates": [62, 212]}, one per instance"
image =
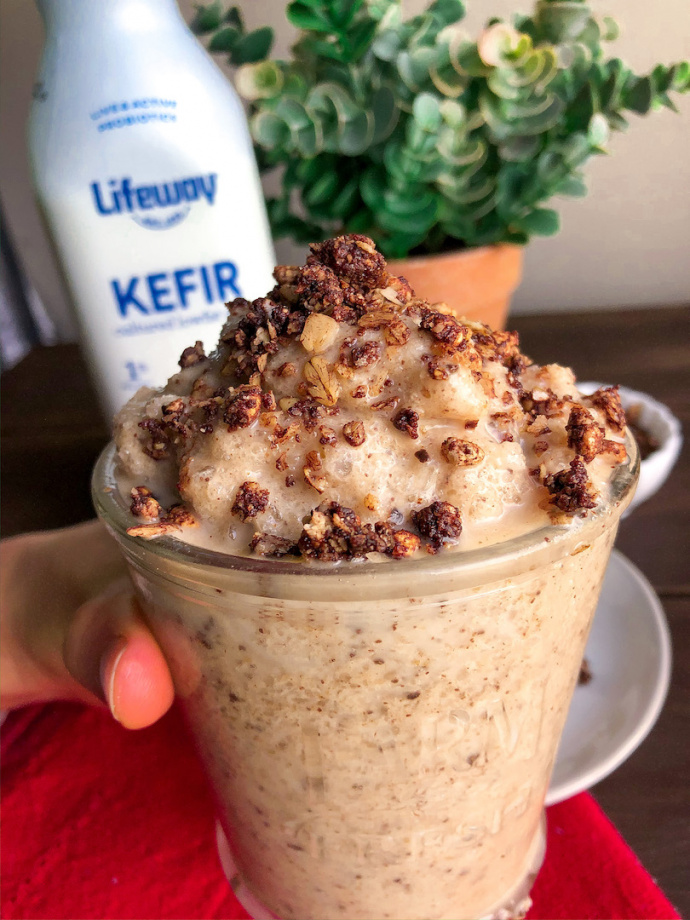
{"type": "Point", "coordinates": [629, 654]}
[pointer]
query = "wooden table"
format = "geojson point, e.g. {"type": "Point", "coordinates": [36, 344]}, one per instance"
{"type": "Point", "coordinates": [52, 433]}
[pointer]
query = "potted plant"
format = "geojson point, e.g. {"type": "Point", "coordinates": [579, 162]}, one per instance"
{"type": "Point", "coordinates": [438, 146]}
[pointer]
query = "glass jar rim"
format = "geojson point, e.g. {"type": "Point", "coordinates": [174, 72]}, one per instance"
{"type": "Point", "coordinates": [113, 509]}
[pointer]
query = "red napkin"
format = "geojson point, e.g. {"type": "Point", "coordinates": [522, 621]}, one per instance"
{"type": "Point", "coordinates": [100, 822]}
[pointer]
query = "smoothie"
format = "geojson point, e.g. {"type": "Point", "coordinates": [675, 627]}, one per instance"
{"type": "Point", "coordinates": [370, 539]}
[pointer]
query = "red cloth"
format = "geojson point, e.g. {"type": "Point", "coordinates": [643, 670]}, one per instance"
{"type": "Point", "coordinates": [104, 823]}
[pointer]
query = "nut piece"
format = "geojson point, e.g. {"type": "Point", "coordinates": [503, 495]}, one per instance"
{"type": "Point", "coordinates": [570, 488]}
{"type": "Point", "coordinates": [585, 437]}
{"type": "Point", "coordinates": [407, 420]}
{"type": "Point", "coordinates": [444, 328]}
{"type": "Point", "coordinates": [265, 544]}
{"type": "Point", "coordinates": [406, 544]}
{"type": "Point", "coordinates": [318, 289]}
{"type": "Point", "coordinates": [319, 333]}
{"type": "Point", "coordinates": [192, 355]}
{"type": "Point", "coordinates": [615, 449]}
{"type": "Point", "coordinates": [242, 407]}
{"type": "Point", "coordinates": [354, 433]}
{"type": "Point", "coordinates": [250, 500]}
{"type": "Point", "coordinates": [608, 400]}
{"type": "Point", "coordinates": [353, 257]}
{"type": "Point", "coordinates": [396, 333]}
{"type": "Point", "coordinates": [144, 505]}
{"type": "Point", "coordinates": [439, 523]}
{"type": "Point", "coordinates": [312, 472]}
{"type": "Point", "coordinates": [461, 453]}
{"type": "Point", "coordinates": [366, 354]}
{"type": "Point", "coordinates": [321, 384]}
{"type": "Point", "coordinates": [173, 520]}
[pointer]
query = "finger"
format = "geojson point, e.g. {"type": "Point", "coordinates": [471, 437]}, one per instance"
{"type": "Point", "coordinates": [136, 679]}
{"type": "Point", "coordinates": [110, 651]}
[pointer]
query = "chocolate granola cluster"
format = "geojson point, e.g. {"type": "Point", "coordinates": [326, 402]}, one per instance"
{"type": "Point", "coordinates": [291, 365]}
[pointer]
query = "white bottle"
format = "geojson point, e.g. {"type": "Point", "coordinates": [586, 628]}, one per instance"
{"type": "Point", "coordinates": [145, 172]}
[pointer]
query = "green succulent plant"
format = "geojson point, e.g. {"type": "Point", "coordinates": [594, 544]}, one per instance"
{"type": "Point", "coordinates": [423, 138]}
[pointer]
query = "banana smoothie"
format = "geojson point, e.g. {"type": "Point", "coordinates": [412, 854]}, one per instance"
{"type": "Point", "coordinates": [370, 538]}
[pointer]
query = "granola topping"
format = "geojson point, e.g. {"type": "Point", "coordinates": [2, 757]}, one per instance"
{"type": "Point", "coordinates": [144, 505]}
{"type": "Point", "coordinates": [570, 488]}
{"type": "Point", "coordinates": [354, 433]}
{"type": "Point", "coordinates": [584, 435]}
{"type": "Point", "coordinates": [250, 500]}
{"type": "Point", "coordinates": [407, 420]}
{"type": "Point", "coordinates": [300, 411]}
{"type": "Point", "coordinates": [461, 452]}
{"type": "Point", "coordinates": [438, 523]}
{"type": "Point", "coordinates": [193, 355]}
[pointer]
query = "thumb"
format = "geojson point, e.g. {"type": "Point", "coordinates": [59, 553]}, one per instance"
{"type": "Point", "coordinates": [111, 651]}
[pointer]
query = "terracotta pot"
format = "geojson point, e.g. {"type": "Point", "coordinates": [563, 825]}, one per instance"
{"type": "Point", "coordinates": [476, 283]}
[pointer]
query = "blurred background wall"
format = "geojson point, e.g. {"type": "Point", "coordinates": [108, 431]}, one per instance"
{"type": "Point", "coordinates": [627, 244]}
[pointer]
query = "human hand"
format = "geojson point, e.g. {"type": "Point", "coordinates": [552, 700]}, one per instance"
{"type": "Point", "coordinates": [71, 628]}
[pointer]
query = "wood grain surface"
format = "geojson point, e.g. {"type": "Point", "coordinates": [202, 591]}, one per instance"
{"type": "Point", "coordinates": [52, 433]}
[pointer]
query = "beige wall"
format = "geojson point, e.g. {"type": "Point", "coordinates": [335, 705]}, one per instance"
{"type": "Point", "coordinates": [627, 243]}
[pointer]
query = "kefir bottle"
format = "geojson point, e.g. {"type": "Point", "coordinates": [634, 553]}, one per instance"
{"type": "Point", "coordinates": [145, 173]}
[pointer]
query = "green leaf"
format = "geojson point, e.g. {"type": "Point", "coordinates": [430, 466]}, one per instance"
{"type": "Point", "coordinates": [259, 81]}
{"type": "Point", "coordinates": [224, 40]}
{"type": "Point", "coordinates": [681, 77]}
{"type": "Point", "coordinates": [598, 130]}
{"type": "Point", "coordinates": [400, 165]}
{"type": "Point", "coordinates": [355, 135]}
{"type": "Point", "coordinates": [413, 67]}
{"type": "Point", "coordinates": [386, 45]}
{"type": "Point", "coordinates": [579, 113]}
{"type": "Point", "coordinates": [611, 30]}
{"type": "Point", "coordinates": [233, 17]}
{"type": "Point", "coordinates": [293, 113]}
{"type": "Point", "coordinates": [416, 222]}
{"type": "Point", "coordinates": [453, 113]}
{"type": "Point", "coordinates": [408, 205]}
{"type": "Point", "coordinates": [322, 190]}
{"type": "Point", "coordinates": [616, 121]}
{"type": "Point", "coordinates": [447, 12]}
{"type": "Point", "coordinates": [207, 18]}
{"type": "Point", "coordinates": [426, 112]}
{"type": "Point", "coordinates": [359, 39]}
{"type": "Point", "coordinates": [399, 245]}
{"type": "Point", "coordinates": [346, 200]}
{"type": "Point", "coordinates": [444, 75]}
{"type": "Point", "coordinates": [386, 113]}
{"type": "Point", "coordinates": [371, 186]}
{"type": "Point", "coordinates": [573, 187]}
{"type": "Point", "coordinates": [590, 37]}
{"type": "Point", "coordinates": [471, 194]}
{"type": "Point", "coordinates": [309, 139]}
{"type": "Point", "coordinates": [561, 21]}
{"type": "Point", "coordinates": [500, 84]}
{"type": "Point", "coordinates": [639, 95]}
{"type": "Point", "coordinates": [268, 130]}
{"type": "Point", "coordinates": [541, 222]}
{"type": "Point", "coordinates": [575, 149]}
{"type": "Point", "coordinates": [516, 149]}
{"type": "Point", "coordinates": [343, 12]}
{"type": "Point", "coordinates": [308, 17]}
{"type": "Point", "coordinates": [496, 43]}
{"type": "Point", "coordinates": [253, 47]}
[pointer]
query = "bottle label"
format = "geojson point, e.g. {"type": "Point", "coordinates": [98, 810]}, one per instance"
{"type": "Point", "coordinates": [154, 206]}
{"type": "Point", "coordinates": [174, 290]}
